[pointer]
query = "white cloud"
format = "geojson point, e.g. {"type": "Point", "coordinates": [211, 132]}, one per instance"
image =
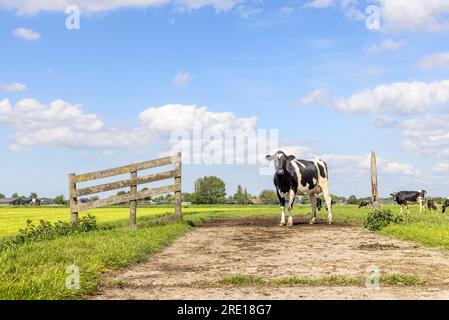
{"type": "Point", "coordinates": [374, 71]}
{"type": "Point", "coordinates": [438, 60]}
{"type": "Point", "coordinates": [246, 11]}
{"type": "Point", "coordinates": [66, 125]}
{"type": "Point", "coordinates": [318, 96]}
{"type": "Point", "coordinates": [318, 4]}
{"type": "Point", "coordinates": [397, 16]}
{"type": "Point", "coordinates": [13, 87]}
{"type": "Point", "coordinates": [386, 45]}
{"type": "Point", "coordinates": [27, 34]}
{"type": "Point", "coordinates": [182, 79]}
{"type": "Point", "coordinates": [358, 165]}
{"type": "Point", "coordinates": [383, 122]}
{"type": "Point", "coordinates": [427, 135]}
{"type": "Point", "coordinates": [348, 7]}
{"type": "Point", "coordinates": [396, 98]}
{"type": "Point", "coordinates": [414, 16]}
{"type": "Point", "coordinates": [183, 117]}
{"type": "Point", "coordinates": [37, 6]}
{"type": "Point", "coordinates": [441, 167]}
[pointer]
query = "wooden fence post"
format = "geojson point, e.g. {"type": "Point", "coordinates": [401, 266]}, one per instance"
{"type": "Point", "coordinates": [72, 198]}
{"type": "Point", "coordinates": [374, 186]}
{"type": "Point", "coordinates": [178, 193]}
{"type": "Point", "coordinates": [133, 203]}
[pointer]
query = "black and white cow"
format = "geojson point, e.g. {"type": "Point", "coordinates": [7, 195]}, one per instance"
{"type": "Point", "coordinates": [404, 198]}
{"type": "Point", "coordinates": [319, 203]}
{"type": "Point", "coordinates": [365, 204]}
{"type": "Point", "coordinates": [431, 204]}
{"type": "Point", "coordinates": [300, 177]}
{"type": "Point", "coordinates": [445, 204]}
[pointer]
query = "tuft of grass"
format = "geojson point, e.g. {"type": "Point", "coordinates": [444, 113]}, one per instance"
{"type": "Point", "coordinates": [401, 280]}
{"type": "Point", "coordinates": [333, 280]}
{"type": "Point", "coordinates": [379, 219]}
{"type": "Point", "coordinates": [241, 279]}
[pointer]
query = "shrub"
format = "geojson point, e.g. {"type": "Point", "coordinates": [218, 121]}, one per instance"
{"type": "Point", "coordinates": [379, 219]}
{"type": "Point", "coordinates": [45, 230]}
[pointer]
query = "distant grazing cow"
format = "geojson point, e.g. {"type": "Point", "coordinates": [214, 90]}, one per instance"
{"type": "Point", "coordinates": [446, 204]}
{"type": "Point", "coordinates": [404, 198]}
{"type": "Point", "coordinates": [300, 177]}
{"type": "Point", "coordinates": [365, 204]}
{"type": "Point", "coordinates": [431, 205]}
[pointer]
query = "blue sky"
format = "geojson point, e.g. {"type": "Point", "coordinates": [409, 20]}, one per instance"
{"type": "Point", "coordinates": [311, 69]}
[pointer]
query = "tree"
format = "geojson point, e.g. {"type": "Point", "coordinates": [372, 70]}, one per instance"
{"type": "Point", "coordinates": [15, 195]}
{"type": "Point", "coordinates": [33, 195]}
{"type": "Point", "coordinates": [60, 199]}
{"type": "Point", "coordinates": [352, 199]}
{"type": "Point", "coordinates": [121, 193]}
{"type": "Point", "coordinates": [241, 196]}
{"type": "Point", "coordinates": [94, 198]}
{"type": "Point", "coordinates": [2, 196]}
{"type": "Point", "coordinates": [210, 190]}
{"type": "Point", "coordinates": [268, 196]}
{"type": "Point", "coordinates": [188, 197]}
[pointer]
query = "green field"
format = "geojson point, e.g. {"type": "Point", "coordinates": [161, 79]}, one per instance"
{"type": "Point", "coordinates": [14, 218]}
{"type": "Point", "coordinates": [37, 270]}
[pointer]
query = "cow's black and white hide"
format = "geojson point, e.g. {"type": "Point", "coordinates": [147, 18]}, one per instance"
{"type": "Point", "coordinates": [365, 204]}
{"type": "Point", "coordinates": [445, 205]}
{"type": "Point", "coordinates": [300, 177]}
{"type": "Point", "coordinates": [404, 198]}
{"type": "Point", "coordinates": [431, 205]}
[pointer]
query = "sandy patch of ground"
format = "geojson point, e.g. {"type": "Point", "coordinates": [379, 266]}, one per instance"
{"type": "Point", "coordinates": [257, 246]}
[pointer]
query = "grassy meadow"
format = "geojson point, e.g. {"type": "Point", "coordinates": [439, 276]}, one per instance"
{"type": "Point", "coordinates": [37, 270]}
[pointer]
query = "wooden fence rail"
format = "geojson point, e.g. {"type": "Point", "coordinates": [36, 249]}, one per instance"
{"type": "Point", "coordinates": [133, 196]}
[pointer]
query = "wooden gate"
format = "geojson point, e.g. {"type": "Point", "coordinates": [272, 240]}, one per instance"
{"type": "Point", "coordinates": [133, 196]}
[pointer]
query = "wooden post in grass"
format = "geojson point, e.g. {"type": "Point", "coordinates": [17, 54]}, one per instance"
{"type": "Point", "coordinates": [178, 194]}
{"type": "Point", "coordinates": [133, 203]}
{"type": "Point", "coordinates": [72, 198]}
{"type": "Point", "coordinates": [374, 186]}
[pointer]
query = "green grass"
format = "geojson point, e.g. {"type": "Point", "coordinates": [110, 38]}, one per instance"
{"type": "Point", "coordinates": [38, 270]}
{"type": "Point", "coordinates": [333, 280]}
{"type": "Point", "coordinates": [14, 218]}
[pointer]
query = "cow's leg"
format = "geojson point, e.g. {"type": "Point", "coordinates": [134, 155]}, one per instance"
{"type": "Point", "coordinates": [402, 210]}
{"type": "Point", "coordinates": [313, 201]}
{"type": "Point", "coordinates": [291, 201]}
{"type": "Point", "coordinates": [282, 205]}
{"type": "Point", "coordinates": [282, 223]}
{"type": "Point", "coordinates": [327, 198]}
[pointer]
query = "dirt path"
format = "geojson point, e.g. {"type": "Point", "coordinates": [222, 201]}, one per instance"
{"type": "Point", "coordinates": [191, 267]}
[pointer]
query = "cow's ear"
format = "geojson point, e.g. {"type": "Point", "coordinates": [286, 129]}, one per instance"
{"type": "Point", "coordinates": [270, 158]}
{"type": "Point", "coordinates": [290, 158]}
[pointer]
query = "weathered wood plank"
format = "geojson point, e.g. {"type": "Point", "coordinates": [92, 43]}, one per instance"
{"type": "Point", "coordinates": [126, 183]}
{"type": "Point", "coordinates": [374, 185]}
{"type": "Point", "coordinates": [178, 194]}
{"type": "Point", "coordinates": [126, 197]}
{"type": "Point", "coordinates": [72, 198]}
{"type": "Point", "coordinates": [126, 169]}
{"type": "Point", "coordinates": [133, 203]}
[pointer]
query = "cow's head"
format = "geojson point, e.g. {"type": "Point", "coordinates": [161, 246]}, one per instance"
{"type": "Point", "coordinates": [393, 194]}
{"type": "Point", "coordinates": [280, 160]}
{"type": "Point", "coordinates": [422, 193]}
